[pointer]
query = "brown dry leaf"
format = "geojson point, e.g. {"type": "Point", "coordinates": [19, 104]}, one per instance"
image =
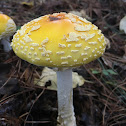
{"type": "Point", "coordinates": [111, 59]}
{"type": "Point", "coordinates": [107, 62]}
{"type": "Point", "coordinates": [95, 6]}
{"type": "Point", "coordinates": [50, 75]}
{"type": "Point", "coordinates": [26, 75]}
{"type": "Point", "coordinates": [97, 11]}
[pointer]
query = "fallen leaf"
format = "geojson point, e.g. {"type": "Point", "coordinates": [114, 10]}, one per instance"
{"type": "Point", "coordinates": [28, 4]}
{"type": "Point", "coordinates": [122, 25]}
{"type": "Point", "coordinates": [50, 75]}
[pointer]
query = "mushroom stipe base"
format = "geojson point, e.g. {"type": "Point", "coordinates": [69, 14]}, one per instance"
{"type": "Point", "coordinates": [65, 98]}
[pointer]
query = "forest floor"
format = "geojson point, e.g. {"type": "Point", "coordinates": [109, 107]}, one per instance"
{"type": "Point", "coordinates": [100, 101]}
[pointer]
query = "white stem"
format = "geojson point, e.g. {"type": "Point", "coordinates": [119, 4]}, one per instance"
{"type": "Point", "coordinates": [6, 44]}
{"type": "Point", "coordinates": [65, 98]}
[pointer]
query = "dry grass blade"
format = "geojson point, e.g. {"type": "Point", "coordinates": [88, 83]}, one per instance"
{"type": "Point", "coordinates": [37, 122]}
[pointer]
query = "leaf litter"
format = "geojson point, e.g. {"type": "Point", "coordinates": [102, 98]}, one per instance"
{"type": "Point", "coordinates": [101, 101]}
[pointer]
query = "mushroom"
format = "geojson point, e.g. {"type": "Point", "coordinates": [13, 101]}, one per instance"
{"type": "Point", "coordinates": [7, 28]}
{"type": "Point", "coordinates": [63, 41]}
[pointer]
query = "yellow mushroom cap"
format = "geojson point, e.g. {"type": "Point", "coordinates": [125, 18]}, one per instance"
{"type": "Point", "coordinates": [7, 26]}
{"type": "Point", "coordinates": [59, 40]}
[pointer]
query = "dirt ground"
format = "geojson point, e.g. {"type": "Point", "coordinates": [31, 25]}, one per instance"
{"type": "Point", "coordinates": [101, 101]}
